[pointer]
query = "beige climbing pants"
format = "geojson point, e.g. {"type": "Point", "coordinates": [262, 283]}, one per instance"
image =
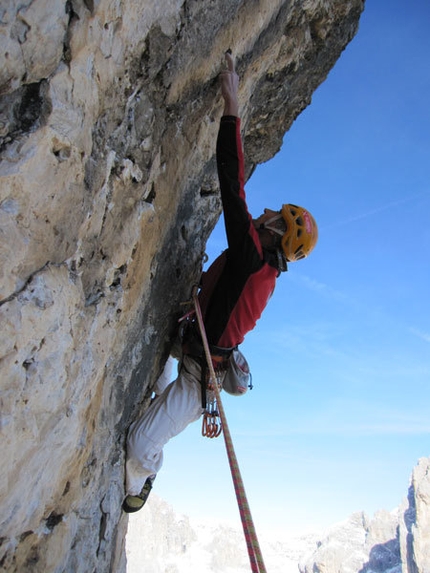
{"type": "Point", "coordinates": [177, 405]}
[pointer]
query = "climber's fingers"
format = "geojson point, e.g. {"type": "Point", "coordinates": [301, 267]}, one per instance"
{"type": "Point", "coordinates": [229, 61]}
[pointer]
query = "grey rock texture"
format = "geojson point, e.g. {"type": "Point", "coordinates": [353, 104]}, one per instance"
{"type": "Point", "coordinates": [108, 117]}
{"type": "Point", "coordinates": [415, 525]}
{"type": "Point", "coordinates": [358, 545]}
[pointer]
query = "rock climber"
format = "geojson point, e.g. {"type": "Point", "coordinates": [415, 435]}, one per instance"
{"type": "Point", "coordinates": [234, 292]}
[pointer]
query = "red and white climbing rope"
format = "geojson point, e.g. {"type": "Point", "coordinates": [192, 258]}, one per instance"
{"type": "Point", "coordinates": [254, 552]}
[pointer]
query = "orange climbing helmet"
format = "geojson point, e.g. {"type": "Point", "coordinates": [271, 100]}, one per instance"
{"type": "Point", "coordinates": [301, 235]}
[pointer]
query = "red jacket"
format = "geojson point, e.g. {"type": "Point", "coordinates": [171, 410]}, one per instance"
{"type": "Point", "coordinates": [239, 283]}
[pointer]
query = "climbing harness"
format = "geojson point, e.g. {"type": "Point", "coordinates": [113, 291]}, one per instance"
{"type": "Point", "coordinates": [191, 341]}
{"type": "Point", "coordinates": [254, 552]}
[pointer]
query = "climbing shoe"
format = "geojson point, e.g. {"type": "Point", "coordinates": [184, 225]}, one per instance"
{"type": "Point", "coordinates": [133, 503]}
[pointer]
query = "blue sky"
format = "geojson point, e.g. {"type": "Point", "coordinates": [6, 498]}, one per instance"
{"type": "Point", "coordinates": [339, 414]}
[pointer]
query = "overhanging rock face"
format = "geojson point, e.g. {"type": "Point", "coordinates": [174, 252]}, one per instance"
{"type": "Point", "coordinates": [108, 118]}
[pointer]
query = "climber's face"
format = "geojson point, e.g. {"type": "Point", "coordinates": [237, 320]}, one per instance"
{"type": "Point", "coordinates": [268, 238]}
{"type": "Point", "coordinates": [266, 216]}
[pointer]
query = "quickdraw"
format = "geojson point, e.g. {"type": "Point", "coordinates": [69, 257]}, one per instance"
{"type": "Point", "coordinates": [211, 422]}
{"type": "Point", "coordinates": [211, 425]}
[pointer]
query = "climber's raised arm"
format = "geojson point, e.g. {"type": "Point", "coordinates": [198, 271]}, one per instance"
{"type": "Point", "coordinates": [229, 86]}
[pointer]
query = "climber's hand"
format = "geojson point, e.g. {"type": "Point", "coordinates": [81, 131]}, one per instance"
{"type": "Point", "coordinates": [229, 86]}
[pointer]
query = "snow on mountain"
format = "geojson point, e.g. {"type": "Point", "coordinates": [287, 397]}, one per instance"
{"type": "Point", "coordinates": [160, 541]}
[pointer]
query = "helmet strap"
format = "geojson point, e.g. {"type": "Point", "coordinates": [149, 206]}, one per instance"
{"type": "Point", "coordinates": [267, 225]}
{"type": "Point", "coordinates": [282, 261]}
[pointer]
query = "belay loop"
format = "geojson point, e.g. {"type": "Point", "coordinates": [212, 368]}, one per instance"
{"type": "Point", "coordinates": [254, 552]}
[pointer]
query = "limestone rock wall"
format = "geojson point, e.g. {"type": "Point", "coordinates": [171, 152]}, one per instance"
{"type": "Point", "coordinates": [108, 117]}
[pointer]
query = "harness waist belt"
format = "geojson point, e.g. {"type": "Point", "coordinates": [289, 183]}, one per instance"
{"type": "Point", "coordinates": [193, 346]}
